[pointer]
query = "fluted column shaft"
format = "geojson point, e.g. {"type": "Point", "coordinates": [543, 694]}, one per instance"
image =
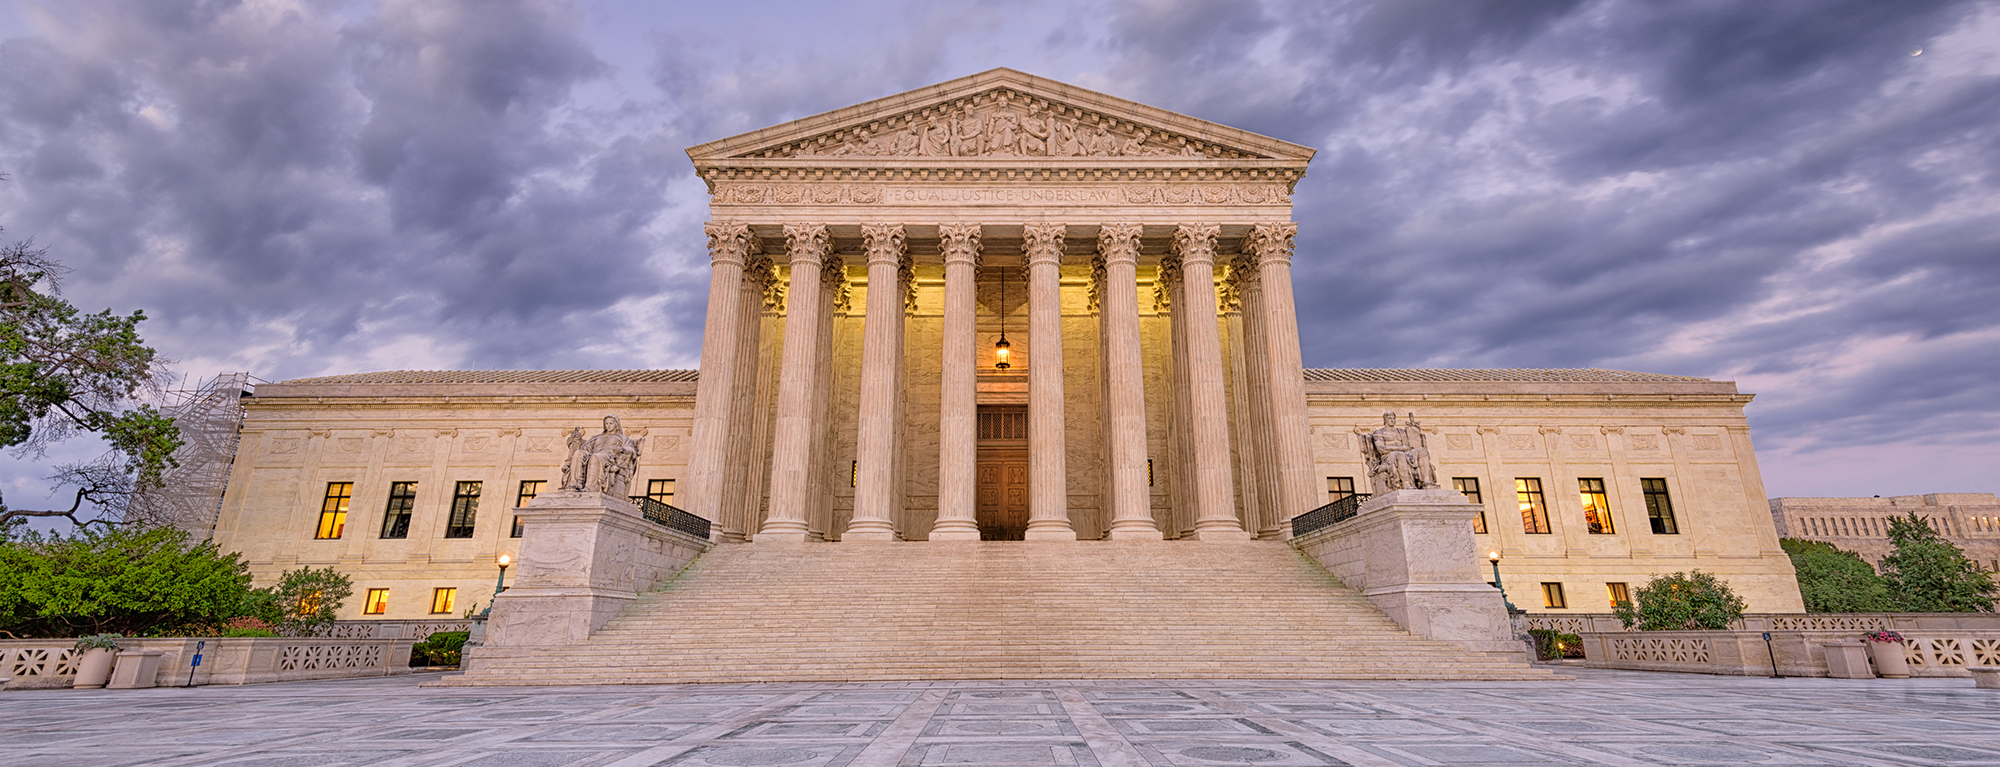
{"type": "Point", "coordinates": [958, 409]}
{"type": "Point", "coordinates": [728, 246]}
{"type": "Point", "coordinates": [1257, 372]}
{"type": "Point", "coordinates": [1048, 480]}
{"type": "Point", "coordinates": [1272, 246]}
{"type": "Point", "coordinates": [742, 486]}
{"type": "Point", "coordinates": [1215, 504]}
{"type": "Point", "coordinates": [819, 479]}
{"type": "Point", "coordinates": [791, 440]}
{"type": "Point", "coordinates": [881, 356]}
{"type": "Point", "coordinates": [1131, 511]}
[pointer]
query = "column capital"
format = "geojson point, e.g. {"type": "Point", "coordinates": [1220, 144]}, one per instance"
{"type": "Point", "coordinates": [959, 243]}
{"type": "Point", "coordinates": [729, 242]}
{"type": "Point", "coordinates": [884, 243]}
{"type": "Point", "coordinates": [1196, 242]}
{"type": "Point", "coordinates": [807, 243]}
{"type": "Point", "coordinates": [1043, 243]}
{"type": "Point", "coordinates": [1270, 243]}
{"type": "Point", "coordinates": [1118, 243]}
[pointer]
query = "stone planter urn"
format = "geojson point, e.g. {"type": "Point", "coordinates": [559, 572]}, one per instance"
{"type": "Point", "coordinates": [93, 668]}
{"type": "Point", "coordinates": [1886, 649]}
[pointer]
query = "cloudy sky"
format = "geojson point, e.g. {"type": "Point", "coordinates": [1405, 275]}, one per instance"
{"type": "Point", "coordinates": [1783, 193]}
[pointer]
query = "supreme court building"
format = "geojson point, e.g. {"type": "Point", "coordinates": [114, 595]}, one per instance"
{"type": "Point", "coordinates": [1004, 308]}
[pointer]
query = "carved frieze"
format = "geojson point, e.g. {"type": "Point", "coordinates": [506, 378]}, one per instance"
{"type": "Point", "coordinates": [727, 193]}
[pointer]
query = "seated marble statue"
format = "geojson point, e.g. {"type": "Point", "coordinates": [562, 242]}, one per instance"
{"type": "Point", "coordinates": [604, 463]}
{"type": "Point", "coordinates": [1397, 458]}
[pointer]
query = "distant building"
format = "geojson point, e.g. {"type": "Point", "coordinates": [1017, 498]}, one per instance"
{"type": "Point", "coordinates": [1970, 521]}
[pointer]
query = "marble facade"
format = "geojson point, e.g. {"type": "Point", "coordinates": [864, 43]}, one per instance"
{"type": "Point", "coordinates": [864, 262]}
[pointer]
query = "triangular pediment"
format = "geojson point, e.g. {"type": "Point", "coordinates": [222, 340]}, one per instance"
{"type": "Point", "coordinates": [999, 116]}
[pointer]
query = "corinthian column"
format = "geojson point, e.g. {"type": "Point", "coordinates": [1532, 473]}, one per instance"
{"type": "Point", "coordinates": [1048, 488]}
{"type": "Point", "coordinates": [1131, 504]}
{"type": "Point", "coordinates": [791, 440]}
{"type": "Point", "coordinates": [729, 244]}
{"type": "Point", "coordinates": [881, 356]}
{"type": "Point", "coordinates": [1257, 375]}
{"type": "Point", "coordinates": [958, 409]}
{"type": "Point", "coordinates": [1272, 246]}
{"type": "Point", "coordinates": [741, 477]}
{"type": "Point", "coordinates": [1214, 503]}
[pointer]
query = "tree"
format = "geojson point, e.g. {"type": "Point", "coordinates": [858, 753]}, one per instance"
{"type": "Point", "coordinates": [65, 373]}
{"type": "Point", "coordinates": [1927, 574]}
{"type": "Point", "coordinates": [305, 600]}
{"type": "Point", "coordinates": [1835, 581]}
{"type": "Point", "coordinates": [130, 580]}
{"type": "Point", "coordinates": [1690, 601]}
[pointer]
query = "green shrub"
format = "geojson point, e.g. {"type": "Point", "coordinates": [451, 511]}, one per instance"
{"type": "Point", "coordinates": [248, 632]}
{"type": "Point", "coordinates": [133, 581]}
{"type": "Point", "coordinates": [1927, 574]}
{"type": "Point", "coordinates": [99, 642]}
{"type": "Point", "coordinates": [443, 648]}
{"type": "Point", "coordinates": [1551, 644]}
{"type": "Point", "coordinates": [1835, 581]}
{"type": "Point", "coordinates": [1690, 601]}
{"type": "Point", "coordinates": [304, 601]}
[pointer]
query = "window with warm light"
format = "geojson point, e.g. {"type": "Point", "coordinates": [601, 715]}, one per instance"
{"type": "Point", "coordinates": [333, 510]}
{"type": "Point", "coordinates": [1596, 506]}
{"type": "Point", "coordinates": [529, 489]}
{"type": "Point", "coordinates": [1552, 596]}
{"type": "Point", "coordinates": [1534, 512]}
{"type": "Point", "coordinates": [442, 600]}
{"type": "Point", "coordinates": [1618, 593]}
{"type": "Point", "coordinates": [1338, 488]}
{"type": "Point", "coordinates": [402, 503]}
{"type": "Point", "coordinates": [660, 490]}
{"type": "Point", "coordinates": [378, 602]}
{"type": "Point", "coordinates": [1469, 487]}
{"type": "Point", "coordinates": [1659, 507]}
{"type": "Point", "coordinates": [464, 509]}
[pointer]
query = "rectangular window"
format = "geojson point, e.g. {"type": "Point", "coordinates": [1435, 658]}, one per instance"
{"type": "Point", "coordinates": [1338, 488]}
{"type": "Point", "coordinates": [464, 509]}
{"type": "Point", "coordinates": [1596, 506]}
{"type": "Point", "coordinates": [333, 510]}
{"type": "Point", "coordinates": [378, 602]}
{"type": "Point", "coordinates": [1618, 593]}
{"type": "Point", "coordinates": [402, 500]}
{"type": "Point", "coordinates": [1534, 513]}
{"type": "Point", "coordinates": [442, 600]}
{"type": "Point", "coordinates": [1552, 596]}
{"type": "Point", "coordinates": [1659, 507]}
{"type": "Point", "coordinates": [529, 489]}
{"type": "Point", "coordinates": [1469, 487]}
{"type": "Point", "coordinates": [661, 490]}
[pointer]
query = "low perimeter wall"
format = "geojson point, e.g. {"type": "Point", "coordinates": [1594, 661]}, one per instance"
{"type": "Point", "coordinates": [1583, 623]}
{"type": "Point", "coordinates": [47, 663]}
{"type": "Point", "coordinates": [1936, 652]}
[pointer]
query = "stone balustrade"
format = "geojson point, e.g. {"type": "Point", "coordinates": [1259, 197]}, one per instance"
{"type": "Point", "coordinates": [1937, 652]}
{"type": "Point", "coordinates": [1583, 623]}
{"type": "Point", "coordinates": [50, 663]}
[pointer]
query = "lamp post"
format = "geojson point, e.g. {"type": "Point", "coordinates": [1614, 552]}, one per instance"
{"type": "Point", "coordinates": [501, 585]}
{"type": "Point", "coordinates": [1494, 557]}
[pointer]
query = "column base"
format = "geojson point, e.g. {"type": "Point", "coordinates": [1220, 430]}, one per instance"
{"type": "Point", "coordinates": [1221, 533]}
{"type": "Point", "coordinates": [1136, 531]}
{"type": "Point", "coordinates": [783, 532]}
{"type": "Point", "coordinates": [955, 530]}
{"type": "Point", "coordinates": [869, 530]}
{"type": "Point", "coordinates": [1049, 530]}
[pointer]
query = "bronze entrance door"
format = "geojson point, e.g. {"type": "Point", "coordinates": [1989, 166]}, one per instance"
{"type": "Point", "coordinates": [1002, 508]}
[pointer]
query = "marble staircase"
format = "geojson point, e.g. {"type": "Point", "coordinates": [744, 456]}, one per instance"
{"type": "Point", "coordinates": [856, 611]}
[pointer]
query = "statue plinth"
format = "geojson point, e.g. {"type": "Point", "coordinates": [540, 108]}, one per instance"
{"type": "Point", "coordinates": [584, 557]}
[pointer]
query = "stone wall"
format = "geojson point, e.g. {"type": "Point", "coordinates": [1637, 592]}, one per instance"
{"type": "Point", "coordinates": [46, 663]}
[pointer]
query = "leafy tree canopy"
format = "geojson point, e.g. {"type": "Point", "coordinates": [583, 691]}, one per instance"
{"type": "Point", "coordinates": [65, 373]}
{"type": "Point", "coordinates": [1690, 601]}
{"type": "Point", "coordinates": [130, 580]}
{"type": "Point", "coordinates": [1927, 574]}
{"type": "Point", "coordinates": [1835, 581]}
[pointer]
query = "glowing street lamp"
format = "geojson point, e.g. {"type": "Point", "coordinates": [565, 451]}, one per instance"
{"type": "Point", "coordinates": [1494, 557]}
{"type": "Point", "coordinates": [501, 585]}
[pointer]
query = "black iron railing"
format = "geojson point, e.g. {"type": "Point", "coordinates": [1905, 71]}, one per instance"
{"type": "Point", "coordinates": [1328, 515]}
{"type": "Point", "coordinates": [671, 518]}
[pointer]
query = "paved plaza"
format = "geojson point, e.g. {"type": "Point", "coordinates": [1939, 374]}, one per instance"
{"type": "Point", "coordinates": [1603, 717]}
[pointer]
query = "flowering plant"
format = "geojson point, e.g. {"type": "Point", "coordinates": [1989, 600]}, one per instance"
{"type": "Point", "coordinates": [1884, 635]}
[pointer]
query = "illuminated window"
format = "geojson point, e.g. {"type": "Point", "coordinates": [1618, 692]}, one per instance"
{"type": "Point", "coordinates": [1534, 513]}
{"type": "Point", "coordinates": [1596, 506]}
{"type": "Point", "coordinates": [333, 510]}
{"type": "Point", "coordinates": [402, 500]}
{"type": "Point", "coordinates": [308, 604]}
{"type": "Point", "coordinates": [464, 508]}
{"type": "Point", "coordinates": [529, 489]}
{"type": "Point", "coordinates": [1469, 487]}
{"type": "Point", "coordinates": [1552, 596]}
{"type": "Point", "coordinates": [1338, 488]}
{"type": "Point", "coordinates": [661, 490]}
{"type": "Point", "coordinates": [1618, 593]}
{"type": "Point", "coordinates": [442, 600]}
{"type": "Point", "coordinates": [1659, 507]}
{"type": "Point", "coordinates": [378, 602]}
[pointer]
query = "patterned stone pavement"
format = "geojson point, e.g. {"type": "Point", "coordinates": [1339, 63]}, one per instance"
{"type": "Point", "coordinates": [1614, 718]}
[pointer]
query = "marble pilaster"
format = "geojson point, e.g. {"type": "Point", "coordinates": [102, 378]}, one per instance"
{"type": "Point", "coordinates": [807, 246]}
{"type": "Point", "coordinates": [958, 451]}
{"type": "Point", "coordinates": [881, 357]}
{"type": "Point", "coordinates": [1131, 512]}
{"type": "Point", "coordinates": [1048, 477]}
{"type": "Point", "coordinates": [1215, 496]}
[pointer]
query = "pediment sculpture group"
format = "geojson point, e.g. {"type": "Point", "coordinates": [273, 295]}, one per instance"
{"type": "Point", "coordinates": [1001, 130]}
{"type": "Point", "coordinates": [603, 463]}
{"type": "Point", "coordinates": [1397, 458]}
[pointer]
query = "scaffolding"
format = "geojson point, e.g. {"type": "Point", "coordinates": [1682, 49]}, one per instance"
{"type": "Point", "coordinates": [210, 418]}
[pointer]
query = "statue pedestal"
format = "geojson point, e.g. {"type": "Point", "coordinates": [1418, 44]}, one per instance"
{"type": "Point", "coordinates": [584, 558]}
{"type": "Point", "coordinates": [1411, 553]}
